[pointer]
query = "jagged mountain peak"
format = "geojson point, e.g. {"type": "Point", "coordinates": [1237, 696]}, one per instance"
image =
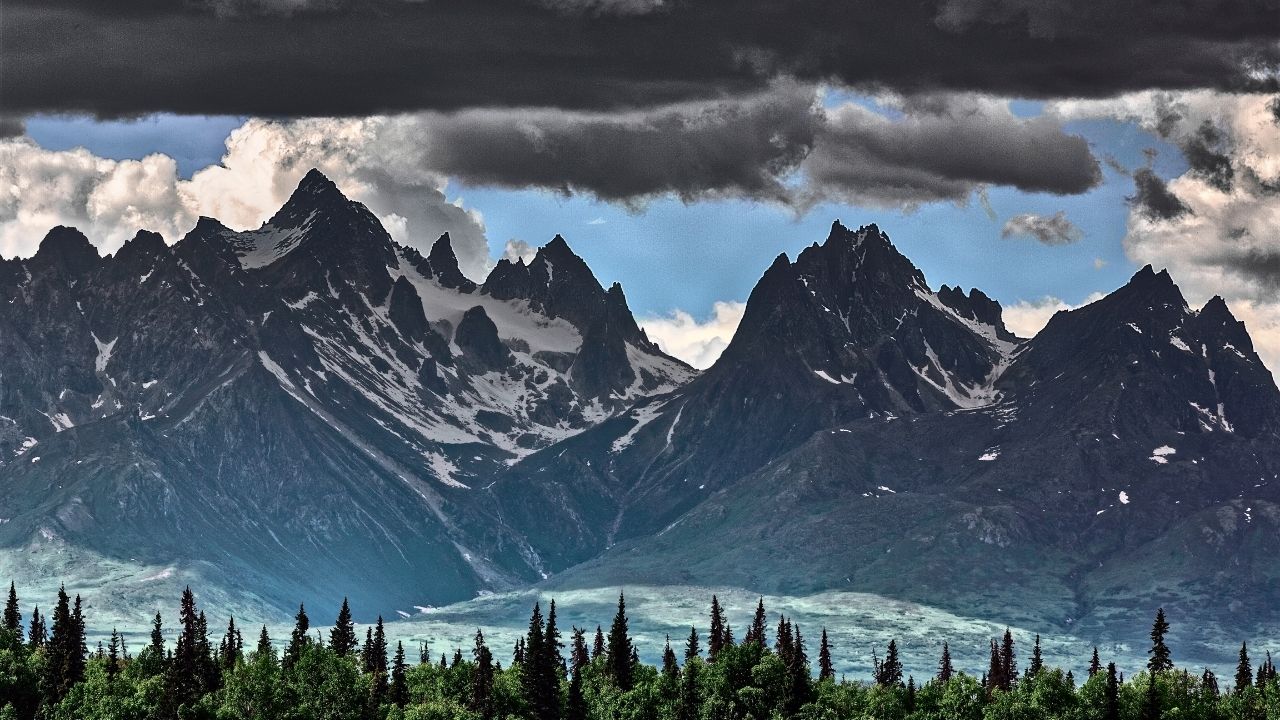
{"type": "Point", "coordinates": [142, 246]}
{"type": "Point", "coordinates": [315, 196]}
{"type": "Point", "coordinates": [444, 266]}
{"type": "Point", "coordinates": [68, 248]}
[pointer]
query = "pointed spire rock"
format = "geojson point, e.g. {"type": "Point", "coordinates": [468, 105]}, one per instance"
{"type": "Point", "coordinates": [67, 248]}
{"type": "Point", "coordinates": [444, 266]}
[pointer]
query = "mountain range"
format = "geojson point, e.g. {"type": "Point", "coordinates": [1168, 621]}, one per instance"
{"type": "Point", "coordinates": [311, 410]}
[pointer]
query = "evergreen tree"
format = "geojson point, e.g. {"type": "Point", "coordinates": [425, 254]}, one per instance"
{"type": "Point", "coordinates": [1151, 701]}
{"type": "Point", "coordinates": [1095, 665]}
{"type": "Point", "coordinates": [113, 655]}
{"type": "Point", "coordinates": [783, 644]}
{"type": "Point", "coordinates": [1209, 684]}
{"type": "Point", "coordinates": [376, 661]}
{"type": "Point", "coordinates": [691, 649]}
{"type": "Point", "coordinates": [826, 671]}
{"type": "Point", "coordinates": [715, 639]}
{"type": "Point", "coordinates": [342, 638]}
{"type": "Point", "coordinates": [756, 632]}
{"type": "Point", "coordinates": [670, 666]}
{"type": "Point", "coordinates": [576, 704]}
{"type": "Point", "coordinates": [64, 659]}
{"type": "Point", "coordinates": [995, 670]}
{"type": "Point", "coordinates": [1244, 669]}
{"type": "Point", "coordinates": [618, 660]}
{"type": "Point", "coordinates": [551, 644]}
{"type": "Point", "coordinates": [910, 702]}
{"type": "Point", "coordinates": [1037, 660]}
{"type": "Point", "coordinates": [728, 636]}
{"type": "Point", "coordinates": [1111, 708]}
{"type": "Point", "coordinates": [689, 703]}
{"type": "Point", "coordinates": [533, 667]}
{"type": "Point", "coordinates": [517, 653]}
{"type": "Point", "coordinates": [298, 639]}
{"type": "Point", "coordinates": [482, 677]}
{"type": "Point", "coordinates": [1008, 661]}
{"type": "Point", "coordinates": [597, 645]}
{"type": "Point", "coordinates": [945, 669]}
{"type": "Point", "coordinates": [580, 656]}
{"type": "Point", "coordinates": [231, 650]}
{"type": "Point", "coordinates": [889, 672]}
{"type": "Point", "coordinates": [37, 636]}
{"type": "Point", "coordinates": [12, 615]}
{"type": "Point", "coordinates": [264, 644]}
{"type": "Point", "coordinates": [1160, 659]}
{"type": "Point", "coordinates": [399, 694]}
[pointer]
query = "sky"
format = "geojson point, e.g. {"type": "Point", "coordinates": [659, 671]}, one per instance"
{"type": "Point", "coordinates": [1041, 151]}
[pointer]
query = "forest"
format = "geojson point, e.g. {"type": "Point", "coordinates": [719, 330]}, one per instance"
{"type": "Point", "coordinates": [48, 671]}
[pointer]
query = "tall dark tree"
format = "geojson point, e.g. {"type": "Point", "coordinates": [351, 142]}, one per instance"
{"type": "Point", "coordinates": [113, 655]}
{"type": "Point", "coordinates": [12, 615]}
{"type": "Point", "coordinates": [482, 677]}
{"type": "Point", "coordinates": [37, 636]}
{"type": "Point", "coordinates": [1160, 658]}
{"type": "Point", "coordinates": [1244, 669]}
{"type": "Point", "coordinates": [995, 670]}
{"type": "Point", "coordinates": [1037, 660]}
{"type": "Point", "coordinates": [342, 638]}
{"type": "Point", "coordinates": [231, 650]}
{"type": "Point", "coordinates": [1111, 698]}
{"type": "Point", "coordinates": [1151, 709]}
{"type": "Point", "coordinates": [580, 656]}
{"type": "Point", "coordinates": [715, 639]}
{"type": "Point", "coordinates": [551, 643]}
{"type": "Point", "coordinates": [1209, 684]}
{"type": "Point", "coordinates": [1095, 665]}
{"type": "Point", "coordinates": [298, 639]}
{"type": "Point", "coordinates": [945, 669]}
{"type": "Point", "coordinates": [517, 653]}
{"type": "Point", "coordinates": [64, 657]}
{"type": "Point", "coordinates": [264, 644]}
{"type": "Point", "coordinates": [399, 691]}
{"type": "Point", "coordinates": [755, 634]}
{"type": "Point", "coordinates": [826, 670]}
{"type": "Point", "coordinates": [597, 644]}
{"type": "Point", "coordinates": [618, 654]}
{"type": "Point", "coordinates": [689, 703]}
{"type": "Point", "coordinates": [539, 680]}
{"type": "Point", "coordinates": [889, 671]}
{"type": "Point", "coordinates": [1008, 661]}
{"type": "Point", "coordinates": [691, 649]}
{"type": "Point", "coordinates": [783, 644]}
{"type": "Point", "coordinates": [670, 666]}
{"type": "Point", "coordinates": [576, 704]}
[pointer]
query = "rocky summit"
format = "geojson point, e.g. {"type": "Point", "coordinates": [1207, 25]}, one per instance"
{"type": "Point", "coordinates": [309, 409]}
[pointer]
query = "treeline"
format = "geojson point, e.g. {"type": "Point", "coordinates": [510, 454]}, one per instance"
{"type": "Point", "coordinates": [47, 671]}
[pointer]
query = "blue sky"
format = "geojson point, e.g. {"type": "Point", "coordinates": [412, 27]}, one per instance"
{"type": "Point", "coordinates": [670, 255]}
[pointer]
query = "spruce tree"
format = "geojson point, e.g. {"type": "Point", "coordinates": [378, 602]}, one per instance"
{"type": "Point", "coordinates": [691, 649]}
{"type": "Point", "coordinates": [482, 677]}
{"type": "Point", "coordinates": [377, 662]}
{"type": "Point", "coordinates": [1037, 660]}
{"type": "Point", "coordinates": [1160, 659]}
{"type": "Point", "coordinates": [551, 644]}
{"type": "Point", "coordinates": [576, 703]}
{"type": "Point", "coordinates": [298, 639]}
{"type": "Point", "coordinates": [517, 653]}
{"type": "Point", "coordinates": [782, 645]}
{"type": "Point", "coordinates": [265, 647]}
{"type": "Point", "coordinates": [889, 672]}
{"type": "Point", "coordinates": [826, 670]}
{"type": "Point", "coordinates": [995, 670]}
{"type": "Point", "coordinates": [37, 636]}
{"type": "Point", "coordinates": [689, 704]}
{"type": "Point", "coordinates": [342, 638]}
{"type": "Point", "coordinates": [113, 655]}
{"type": "Point", "coordinates": [231, 650]}
{"type": "Point", "coordinates": [945, 669]}
{"type": "Point", "coordinates": [533, 670]}
{"type": "Point", "coordinates": [1008, 661]}
{"type": "Point", "coordinates": [1209, 684]}
{"type": "Point", "coordinates": [597, 645]}
{"type": "Point", "coordinates": [1095, 665]}
{"type": "Point", "coordinates": [64, 660]}
{"type": "Point", "coordinates": [1151, 709]}
{"type": "Point", "coordinates": [12, 615]}
{"type": "Point", "coordinates": [618, 659]}
{"type": "Point", "coordinates": [580, 656]}
{"type": "Point", "coordinates": [756, 633]}
{"type": "Point", "coordinates": [1244, 669]}
{"type": "Point", "coordinates": [715, 639]}
{"type": "Point", "coordinates": [670, 666]}
{"type": "Point", "coordinates": [910, 702]}
{"type": "Point", "coordinates": [399, 694]}
{"type": "Point", "coordinates": [1111, 707]}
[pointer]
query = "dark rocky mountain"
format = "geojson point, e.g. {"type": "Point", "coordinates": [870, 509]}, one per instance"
{"type": "Point", "coordinates": [252, 406]}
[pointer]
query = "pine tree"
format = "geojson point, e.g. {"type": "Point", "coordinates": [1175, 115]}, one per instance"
{"type": "Point", "coordinates": [1008, 661]}
{"type": "Point", "coordinates": [377, 662]}
{"type": "Point", "coordinates": [113, 655]}
{"type": "Point", "coordinates": [1095, 665]}
{"type": "Point", "coordinates": [783, 645]}
{"type": "Point", "coordinates": [995, 670]}
{"type": "Point", "coordinates": [264, 645]}
{"type": "Point", "coordinates": [670, 666]}
{"type": "Point", "coordinates": [576, 704]}
{"type": "Point", "coordinates": [756, 633]}
{"type": "Point", "coordinates": [911, 694]}
{"type": "Point", "coordinates": [800, 685]}
{"type": "Point", "coordinates": [64, 664]}
{"type": "Point", "coordinates": [728, 636]}
{"type": "Point", "coordinates": [826, 671]}
{"type": "Point", "coordinates": [298, 639]}
{"type": "Point", "coordinates": [691, 649]}
{"type": "Point", "coordinates": [1111, 711]}
{"type": "Point", "coordinates": [231, 650]}
{"type": "Point", "coordinates": [1151, 702]}
{"type": "Point", "coordinates": [399, 694]}
{"type": "Point", "coordinates": [580, 657]}
{"type": "Point", "coordinates": [945, 669]}
{"type": "Point", "coordinates": [342, 638]}
{"type": "Point", "coordinates": [1160, 658]}
{"type": "Point", "coordinates": [37, 636]}
{"type": "Point", "coordinates": [597, 645]}
{"type": "Point", "coordinates": [689, 703]}
{"type": "Point", "coordinates": [482, 676]}
{"type": "Point", "coordinates": [1244, 669]}
{"type": "Point", "coordinates": [551, 644]}
{"type": "Point", "coordinates": [533, 669]}
{"type": "Point", "coordinates": [715, 639]}
{"type": "Point", "coordinates": [1037, 660]}
{"type": "Point", "coordinates": [12, 615]}
{"type": "Point", "coordinates": [618, 655]}
{"type": "Point", "coordinates": [889, 672]}
{"type": "Point", "coordinates": [517, 653]}
{"type": "Point", "coordinates": [1209, 684]}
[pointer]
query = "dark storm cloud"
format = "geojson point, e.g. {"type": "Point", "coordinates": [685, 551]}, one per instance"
{"type": "Point", "coordinates": [944, 148]}
{"type": "Point", "coordinates": [356, 57]}
{"type": "Point", "coordinates": [1208, 152]}
{"type": "Point", "coordinates": [1153, 198]}
{"type": "Point", "coordinates": [1053, 229]}
{"type": "Point", "coordinates": [11, 126]}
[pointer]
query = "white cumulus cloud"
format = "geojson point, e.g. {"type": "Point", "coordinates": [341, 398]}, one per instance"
{"type": "Point", "coordinates": [697, 342]}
